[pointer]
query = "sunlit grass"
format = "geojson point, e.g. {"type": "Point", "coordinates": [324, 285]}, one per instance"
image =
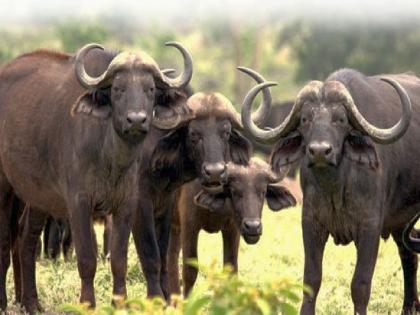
{"type": "Point", "coordinates": [279, 254]}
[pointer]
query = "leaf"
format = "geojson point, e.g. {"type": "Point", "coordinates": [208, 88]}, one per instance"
{"type": "Point", "coordinates": [194, 305]}
{"type": "Point", "coordinates": [263, 306]}
{"type": "Point", "coordinates": [288, 309]}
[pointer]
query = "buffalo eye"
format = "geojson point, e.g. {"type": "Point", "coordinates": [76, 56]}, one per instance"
{"type": "Point", "coordinates": [226, 134]}
{"type": "Point", "coordinates": [150, 90]}
{"type": "Point", "coordinates": [118, 89]}
{"type": "Point", "coordinates": [261, 192]}
{"type": "Point", "coordinates": [339, 119]}
{"type": "Point", "coordinates": [194, 137]}
{"type": "Point", "coordinates": [235, 192]}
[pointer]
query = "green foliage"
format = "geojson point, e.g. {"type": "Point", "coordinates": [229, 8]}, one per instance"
{"type": "Point", "coordinates": [225, 293]}
{"type": "Point", "coordinates": [320, 49]}
{"type": "Point", "coordinates": [75, 34]}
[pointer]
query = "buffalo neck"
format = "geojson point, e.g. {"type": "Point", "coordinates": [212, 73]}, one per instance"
{"type": "Point", "coordinates": [117, 155]}
{"type": "Point", "coordinates": [329, 181]}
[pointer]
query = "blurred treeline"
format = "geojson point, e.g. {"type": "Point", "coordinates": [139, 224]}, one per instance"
{"type": "Point", "coordinates": [289, 52]}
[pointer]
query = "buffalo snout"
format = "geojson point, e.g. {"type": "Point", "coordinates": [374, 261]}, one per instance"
{"type": "Point", "coordinates": [137, 121]}
{"type": "Point", "coordinates": [320, 153]}
{"type": "Point", "coordinates": [251, 230]}
{"type": "Point", "coordinates": [214, 172]}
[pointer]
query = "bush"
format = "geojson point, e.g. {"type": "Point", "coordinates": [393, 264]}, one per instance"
{"type": "Point", "coordinates": [225, 293]}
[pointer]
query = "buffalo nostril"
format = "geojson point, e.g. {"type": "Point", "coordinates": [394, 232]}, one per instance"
{"type": "Point", "coordinates": [320, 149]}
{"type": "Point", "coordinates": [216, 171]}
{"type": "Point", "coordinates": [136, 118]}
{"type": "Point", "coordinates": [252, 226]}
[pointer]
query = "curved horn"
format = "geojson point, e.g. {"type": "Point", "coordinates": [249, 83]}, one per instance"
{"type": "Point", "coordinates": [185, 77]}
{"type": "Point", "coordinates": [288, 123]}
{"type": "Point", "coordinates": [86, 80]}
{"type": "Point", "coordinates": [411, 243]}
{"type": "Point", "coordinates": [166, 124]}
{"type": "Point", "coordinates": [168, 71]}
{"type": "Point", "coordinates": [89, 82]}
{"type": "Point", "coordinates": [259, 116]}
{"type": "Point", "coordinates": [379, 135]}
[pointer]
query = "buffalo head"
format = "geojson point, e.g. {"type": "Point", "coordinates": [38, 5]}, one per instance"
{"type": "Point", "coordinates": [246, 190]}
{"type": "Point", "coordinates": [325, 125]}
{"type": "Point", "coordinates": [207, 136]}
{"type": "Point", "coordinates": [125, 92]}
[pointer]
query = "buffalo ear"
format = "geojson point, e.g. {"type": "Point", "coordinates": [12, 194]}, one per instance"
{"type": "Point", "coordinates": [93, 103]}
{"type": "Point", "coordinates": [287, 151]}
{"type": "Point", "coordinates": [279, 197]}
{"type": "Point", "coordinates": [167, 157]}
{"type": "Point", "coordinates": [360, 149]}
{"type": "Point", "coordinates": [211, 202]}
{"type": "Point", "coordinates": [240, 148]}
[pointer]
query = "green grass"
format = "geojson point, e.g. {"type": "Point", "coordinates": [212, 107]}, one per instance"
{"type": "Point", "coordinates": [279, 254]}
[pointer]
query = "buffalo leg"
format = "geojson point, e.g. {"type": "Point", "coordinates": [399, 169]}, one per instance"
{"type": "Point", "coordinates": [5, 239]}
{"type": "Point", "coordinates": [107, 236]}
{"type": "Point", "coordinates": [67, 242]}
{"type": "Point", "coordinates": [189, 241]}
{"type": "Point", "coordinates": [409, 264]}
{"type": "Point", "coordinates": [163, 228]}
{"type": "Point", "coordinates": [32, 222]}
{"type": "Point", "coordinates": [367, 252]}
{"type": "Point", "coordinates": [17, 210]}
{"type": "Point", "coordinates": [122, 223]}
{"type": "Point", "coordinates": [231, 239]}
{"type": "Point", "coordinates": [54, 239]}
{"type": "Point", "coordinates": [46, 236]}
{"type": "Point", "coordinates": [173, 260]}
{"type": "Point", "coordinates": [314, 244]}
{"type": "Point", "coordinates": [84, 243]}
{"type": "Point", "coordinates": [144, 235]}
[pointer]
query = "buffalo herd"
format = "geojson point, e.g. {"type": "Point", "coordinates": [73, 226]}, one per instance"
{"type": "Point", "coordinates": [109, 135]}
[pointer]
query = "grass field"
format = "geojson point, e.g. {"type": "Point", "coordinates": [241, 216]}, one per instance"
{"type": "Point", "coordinates": [279, 254]}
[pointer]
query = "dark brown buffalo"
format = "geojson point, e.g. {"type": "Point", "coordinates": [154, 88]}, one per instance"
{"type": "Point", "coordinates": [58, 239]}
{"type": "Point", "coordinates": [207, 136]}
{"type": "Point", "coordinates": [235, 211]}
{"type": "Point", "coordinates": [358, 181]}
{"type": "Point", "coordinates": [71, 141]}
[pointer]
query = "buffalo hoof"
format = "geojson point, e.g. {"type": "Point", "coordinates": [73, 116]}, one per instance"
{"type": "Point", "coordinates": [33, 307]}
{"type": "Point", "coordinates": [118, 301]}
{"type": "Point", "coordinates": [157, 292]}
{"type": "Point", "coordinates": [411, 310]}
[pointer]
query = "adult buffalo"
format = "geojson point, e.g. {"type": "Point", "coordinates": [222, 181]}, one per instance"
{"type": "Point", "coordinates": [57, 237]}
{"type": "Point", "coordinates": [359, 181]}
{"type": "Point", "coordinates": [206, 137]}
{"type": "Point", "coordinates": [70, 140]}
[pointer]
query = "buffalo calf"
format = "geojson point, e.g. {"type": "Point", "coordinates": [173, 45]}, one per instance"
{"type": "Point", "coordinates": [235, 211]}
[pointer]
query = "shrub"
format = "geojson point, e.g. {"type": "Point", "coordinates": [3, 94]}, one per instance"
{"type": "Point", "coordinates": [224, 293]}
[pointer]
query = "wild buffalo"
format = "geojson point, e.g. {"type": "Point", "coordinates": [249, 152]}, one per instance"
{"type": "Point", "coordinates": [359, 182]}
{"type": "Point", "coordinates": [235, 211]}
{"type": "Point", "coordinates": [57, 237]}
{"type": "Point", "coordinates": [206, 137]}
{"type": "Point", "coordinates": [71, 133]}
